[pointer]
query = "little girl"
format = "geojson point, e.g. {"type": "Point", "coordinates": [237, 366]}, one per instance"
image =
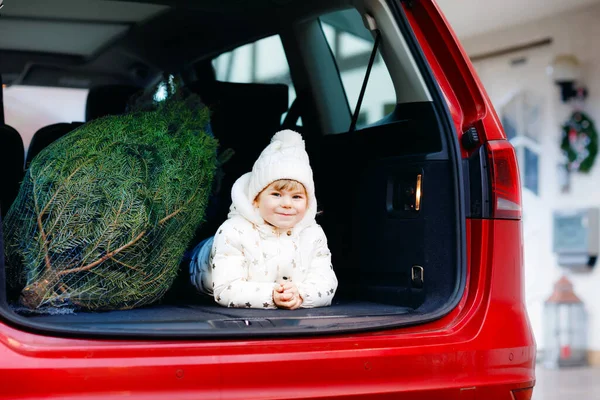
{"type": "Point", "coordinates": [270, 253]}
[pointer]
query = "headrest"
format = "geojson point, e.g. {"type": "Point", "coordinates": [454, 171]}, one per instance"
{"type": "Point", "coordinates": [205, 71]}
{"type": "Point", "coordinates": [12, 155]}
{"type": "Point", "coordinates": [108, 100]}
{"type": "Point", "coordinates": [10, 138]}
{"type": "Point", "coordinates": [243, 96]}
{"type": "Point", "coordinates": [47, 135]}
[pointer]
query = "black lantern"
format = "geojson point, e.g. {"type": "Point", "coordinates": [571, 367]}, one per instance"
{"type": "Point", "coordinates": [565, 70]}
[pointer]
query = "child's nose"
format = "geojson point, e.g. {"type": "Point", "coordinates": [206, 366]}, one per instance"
{"type": "Point", "coordinates": [286, 201]}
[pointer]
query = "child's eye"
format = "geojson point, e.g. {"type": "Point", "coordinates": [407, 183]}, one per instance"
{"type": "Point", "coordinates": [298, 197]}
{"type": "Point", "coordinates": [276, 194]}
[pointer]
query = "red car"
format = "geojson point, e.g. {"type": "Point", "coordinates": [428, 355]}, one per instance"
{"type": "Point", "coordinates": [418, 187]}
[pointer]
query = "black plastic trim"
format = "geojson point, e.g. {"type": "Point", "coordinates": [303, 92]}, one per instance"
{"type": "Point", "coordinates": [454, 152]}
{"type": "Point", "coordinates": [219, 329]}
{"type": "Point", "coordinates": [477, 185]}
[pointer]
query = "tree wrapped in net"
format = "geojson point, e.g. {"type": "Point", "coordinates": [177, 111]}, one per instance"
{"type": "Point", "coordinates": [105, 213]}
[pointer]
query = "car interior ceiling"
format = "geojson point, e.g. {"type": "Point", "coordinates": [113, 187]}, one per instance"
{"type": "Point", "coordinates": [374, 253]}
{"type": "Point", "coordinates": [153, 46]}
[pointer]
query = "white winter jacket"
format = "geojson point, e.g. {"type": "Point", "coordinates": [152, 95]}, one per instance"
{"type": "Point", "coordinates": [249, 258]}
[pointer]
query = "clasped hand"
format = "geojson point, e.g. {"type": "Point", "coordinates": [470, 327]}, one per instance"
{"type": "Point", "coordinates": [286, 296]}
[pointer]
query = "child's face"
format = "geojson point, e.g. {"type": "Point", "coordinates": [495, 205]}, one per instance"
{"type": "Point", "coordinates": [282, 208]}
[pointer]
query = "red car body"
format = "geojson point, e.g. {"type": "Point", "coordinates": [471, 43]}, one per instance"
{"type": "Point", "coordinates": [483, 349]}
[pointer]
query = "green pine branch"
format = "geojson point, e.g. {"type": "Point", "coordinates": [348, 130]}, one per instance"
{"type": "Point", "coordinates": [105, 213]}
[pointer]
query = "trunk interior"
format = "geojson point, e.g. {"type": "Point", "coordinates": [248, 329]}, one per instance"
{"type": "Point", "coordinates": [390, 194]}
{"type": "Point", "coordinates": [396, 265]}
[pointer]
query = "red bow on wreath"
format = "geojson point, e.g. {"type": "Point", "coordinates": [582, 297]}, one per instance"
{"type": "Point", "coordinates": [580, 142]}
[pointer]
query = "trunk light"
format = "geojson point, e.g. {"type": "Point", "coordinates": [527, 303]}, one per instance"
{"type": "Point", "coordinates": [418, 192]}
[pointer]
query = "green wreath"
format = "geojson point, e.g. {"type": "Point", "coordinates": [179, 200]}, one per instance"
{"type": "Point", "coordinates": [579, 142]}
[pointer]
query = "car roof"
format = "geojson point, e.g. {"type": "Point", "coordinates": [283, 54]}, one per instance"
{"type": "Point", "coordinates": [85, 43]}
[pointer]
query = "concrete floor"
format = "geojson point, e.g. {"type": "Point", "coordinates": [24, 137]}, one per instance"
{"type": "Point", "coordinates": [567, 383]}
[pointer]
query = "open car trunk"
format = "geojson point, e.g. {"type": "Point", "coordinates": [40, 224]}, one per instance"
{"type": "Point", "coordinates": [392, 208]}
{"type": "Point", "coordinates": [396, 265]}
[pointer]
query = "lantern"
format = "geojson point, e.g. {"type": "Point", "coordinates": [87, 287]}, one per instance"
{"type": "Point", "coordinates": [565, 330]}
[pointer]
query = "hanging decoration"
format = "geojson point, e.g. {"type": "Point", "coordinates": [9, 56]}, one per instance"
{"type": "Point", "coordinates": [579, 142]}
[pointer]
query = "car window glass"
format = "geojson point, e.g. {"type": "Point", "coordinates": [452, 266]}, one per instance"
{"type": "Point", "coordinates": [351, 44]}
{"type": "Point", "coordinates": [29, 108]}
{"type": "Point", "coordinates": [263, 61]}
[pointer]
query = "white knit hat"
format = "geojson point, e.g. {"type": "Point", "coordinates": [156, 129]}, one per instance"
{"type": "Point", "coordinates": [284, 158]}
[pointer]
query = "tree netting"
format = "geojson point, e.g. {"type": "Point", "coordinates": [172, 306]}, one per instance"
{"type": "Point", "coordinates": [105, 213]}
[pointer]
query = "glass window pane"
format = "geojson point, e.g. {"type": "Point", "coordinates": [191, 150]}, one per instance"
{"type": "Point", "coordinates": [263, 61]}
{"type": "Point", "coordinates": [531, 178]}
{"type": "Point", "coordinates": [271, 63]}
{"type": "Point", "coordinates": [532, 107]}
{"type": "Point", "coordinates": [29, 108]}
{"type": "Point", "coordinates": [352, 44]}
{"type": "Point", "coordinates": [235, 66]}
{"type": "Point", "coordinates": [521, 116]}
{"type": "Point", "coordinates": [388, 108]}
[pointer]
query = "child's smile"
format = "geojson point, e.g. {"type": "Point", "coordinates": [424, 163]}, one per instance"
{"type": "Point", "coordinates": [282, 208]}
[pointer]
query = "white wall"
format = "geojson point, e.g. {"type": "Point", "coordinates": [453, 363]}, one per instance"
{"type": "Point", "coordinates": [576, 33]}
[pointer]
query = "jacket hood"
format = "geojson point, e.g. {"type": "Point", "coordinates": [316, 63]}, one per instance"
{"type": "Point", "coordinates": [242, 205]}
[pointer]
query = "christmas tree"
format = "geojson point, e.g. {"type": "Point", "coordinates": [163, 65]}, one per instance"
{"type": "Point", "coordinates": [105, 213]}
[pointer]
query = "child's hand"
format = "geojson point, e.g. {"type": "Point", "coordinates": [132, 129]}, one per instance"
{"type": "Point", "coordinates": [287, 296]}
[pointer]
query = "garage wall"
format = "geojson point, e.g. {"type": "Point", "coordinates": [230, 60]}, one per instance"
{"type": "Point", "coordinates": [576, 33]}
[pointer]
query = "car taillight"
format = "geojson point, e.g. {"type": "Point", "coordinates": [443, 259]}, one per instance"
{"type": "Point", "coordinates": [504, 177]}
